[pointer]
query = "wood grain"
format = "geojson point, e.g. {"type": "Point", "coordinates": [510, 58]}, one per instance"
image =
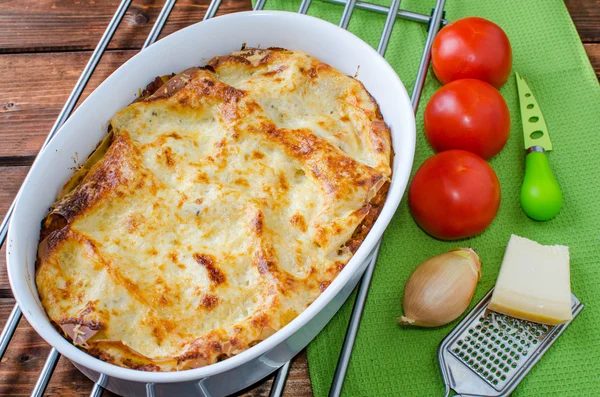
{"type": "Point", "coordinates": [593, 52]}
{"type": "Point", "coordinates": [31, 100]}
{"type": "Point", "coordinates": [59, 25]}
{"type": "Point", "coordinates": [586, 17]}
{"type": "Point", "coordinates": [10, 182]}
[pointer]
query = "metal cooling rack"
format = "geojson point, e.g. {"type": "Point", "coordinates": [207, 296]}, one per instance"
{"type": "Point", "coordinates": [433, 21]}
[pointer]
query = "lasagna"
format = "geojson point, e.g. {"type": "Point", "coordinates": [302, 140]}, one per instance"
{"type": "Point", "coordinates": [219, 206]}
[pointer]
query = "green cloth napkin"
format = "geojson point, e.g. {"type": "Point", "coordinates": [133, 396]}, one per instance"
{"type": "Point", "coordinates": [389, 360]}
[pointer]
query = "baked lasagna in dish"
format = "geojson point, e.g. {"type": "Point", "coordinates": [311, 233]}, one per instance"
{"type": "Point", "coordinates": [218, 207]}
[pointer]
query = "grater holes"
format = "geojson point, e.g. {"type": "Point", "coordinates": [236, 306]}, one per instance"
{"type": "Point", "coordinates": [503, 378]}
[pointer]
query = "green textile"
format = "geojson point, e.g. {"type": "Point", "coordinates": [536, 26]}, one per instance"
{"type": "Point", "coordinates": [389, 360]}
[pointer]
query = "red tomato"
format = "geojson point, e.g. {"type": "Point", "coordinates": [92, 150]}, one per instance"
{"type": "Point", "coordinates": [472, 48]}
{"type": "Point", "coordinates": [470, 115]}
{"type": "Point", "coordinates": [454, 194]}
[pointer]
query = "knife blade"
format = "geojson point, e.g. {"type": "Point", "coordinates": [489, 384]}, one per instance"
{"type": "Point", "coordinates": [535, 131]}
{"type": "Point", "coordinates": [541, 197]}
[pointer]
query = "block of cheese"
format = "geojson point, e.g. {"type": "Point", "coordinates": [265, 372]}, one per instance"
{"type": "Point", "coordinates": [534, 282]}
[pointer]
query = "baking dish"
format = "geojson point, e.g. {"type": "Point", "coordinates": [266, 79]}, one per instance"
{"type": "Point", "coordinates": [80, 134]}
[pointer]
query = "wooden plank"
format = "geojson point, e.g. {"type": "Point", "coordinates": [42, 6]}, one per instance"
{"type": "Point", "coordinates": [55, 25]}
{"type": "Point", "coordinates": [34, 95]}
{"type": "Point", "coordinates": [593, 52]}
{"type": "Point", "coordinates": [27, 353]}
{"type": "Point", "coordinates": [586, 17]}
{"type": "Point", "coordinates": [10, 182]}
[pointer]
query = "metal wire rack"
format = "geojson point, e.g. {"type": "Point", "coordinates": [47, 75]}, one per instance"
{"type": "Point", "coordinates": [434, 21]}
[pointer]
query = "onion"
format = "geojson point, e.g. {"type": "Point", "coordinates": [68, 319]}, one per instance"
{"type": "Point", "coordinates": [441, 288]}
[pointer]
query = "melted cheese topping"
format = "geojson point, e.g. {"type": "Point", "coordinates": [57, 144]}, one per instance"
{"type": "Point", "coordinates": [225, 204]}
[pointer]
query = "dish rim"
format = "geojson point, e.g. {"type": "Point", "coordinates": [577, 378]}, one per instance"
{"type": "Point", "coordinates": [398, 185]}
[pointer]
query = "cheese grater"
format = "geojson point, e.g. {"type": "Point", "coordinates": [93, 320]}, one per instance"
{"type": "Point", "coordinates": [489, 353]}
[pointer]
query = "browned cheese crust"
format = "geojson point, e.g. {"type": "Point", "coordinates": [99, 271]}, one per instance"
{"type": "Point", "coordinates": [219, 206]}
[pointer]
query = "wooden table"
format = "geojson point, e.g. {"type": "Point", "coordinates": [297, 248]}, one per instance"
{"type": "Point", "coordinates": [44, 46]}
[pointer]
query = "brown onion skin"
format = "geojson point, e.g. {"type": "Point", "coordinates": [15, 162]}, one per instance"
{"type": "Point", "coordinates": [440, 289]}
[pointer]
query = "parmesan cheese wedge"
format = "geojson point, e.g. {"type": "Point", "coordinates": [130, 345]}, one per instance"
{"type": "Point", "coordinates": [534, 283]}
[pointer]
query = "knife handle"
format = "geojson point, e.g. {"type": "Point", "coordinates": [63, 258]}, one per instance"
{"type": "Point", "coordinates": [541, 197]}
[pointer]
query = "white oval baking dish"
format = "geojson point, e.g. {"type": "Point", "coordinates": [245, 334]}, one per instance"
{"type": "Point", "coordinates": [87, 126]}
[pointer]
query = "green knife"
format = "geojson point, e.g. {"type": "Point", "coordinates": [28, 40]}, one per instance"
{"type": "Point", "coordinates": [541, 197]}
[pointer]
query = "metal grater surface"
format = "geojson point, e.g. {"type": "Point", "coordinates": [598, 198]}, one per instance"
{"type": "Point", "coordinates": [488, 353]}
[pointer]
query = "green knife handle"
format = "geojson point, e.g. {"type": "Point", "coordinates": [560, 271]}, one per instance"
{"type": "Point", "coordinates": [541, 197]}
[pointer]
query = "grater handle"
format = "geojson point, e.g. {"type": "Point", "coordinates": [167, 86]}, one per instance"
{"type": "Point", "coordinates": [447, 392]}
